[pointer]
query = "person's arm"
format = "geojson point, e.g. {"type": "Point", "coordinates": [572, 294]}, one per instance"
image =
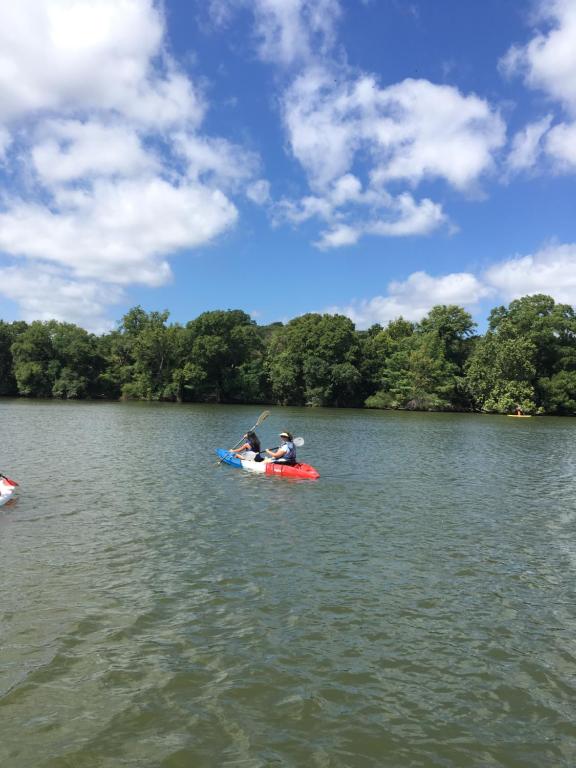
{"type": "Point", "coordinates": [277, 453]}
{"type": "Point", "coordinates": [245, 447]}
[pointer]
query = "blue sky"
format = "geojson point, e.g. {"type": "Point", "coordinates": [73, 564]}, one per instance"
{"type": "Point", "coordinates": [367, 157]}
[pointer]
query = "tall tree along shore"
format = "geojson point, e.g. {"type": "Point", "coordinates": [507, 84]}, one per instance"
{"type": "Point", "coordinates": [526, 358]}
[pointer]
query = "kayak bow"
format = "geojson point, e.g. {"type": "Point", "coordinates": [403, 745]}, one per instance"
{"type": "Point", "coordinates": [7, 488]}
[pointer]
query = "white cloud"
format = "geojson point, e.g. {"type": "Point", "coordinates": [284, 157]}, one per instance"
{"type": "Point", "coordinates": [527, 145]}
{"type": "Point", "coordinates": [355, 139]}
{"type": "Point", "coordinates": [561, 147]}
{"type": "Point", "coordinates": [117, 232]}
{"type": "Point", "coordinates": [338, 236]}
{"type": "Point", "coordinates": [414, 297]}
{"type": "Point", "coordinates": [48, 294]}
{"type": "Point", "coordinates": [216, 161]}
{"type": "Point", "coordinates": [114, 172]}
{"type": "Point", "coordinates": [548, 61]}
{"type": "Point", "coordinates": [70, 150]}
{"type": "Point", "coordinates": [401, 216]}
{"type": "Point", "coordinates": [351, 212]}
{"type": "Point", "coordinates": [287, 31]}
{"type": "Point", "coordinates": [409, 132]}
{"type": "Point", "coordinates": [411, 218]}
{"type": "Point", "coordinates": [551, 270]}
{"type": "Point", "coordinates": [71, 55]}
{"type": "Point", "coordinates": [259, 192]}
{"type": "Point", "coordinates": [5, 141]}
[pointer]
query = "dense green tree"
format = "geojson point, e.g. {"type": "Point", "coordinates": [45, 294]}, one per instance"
{"type": "Point", "coordinates": [152, 355]}
{"type": "Point", "coordinates": [227, 352]}
{"type": "Point", "coordinates": [55, 359]}
{"type": "Point", "coordinates": [520, 359]}
{"type": "Point", "coordinates": [78, 361]}
{"type": "Point", "coordinates": [314, 360]}
{"type": "Point", "coordinates": [8, 334]}
{"type": "Point", "coordinates": [422, 365]}
{"type": "Point", "coordinates": [501, 374]}
{"type": "Point", "coordinates": [558, 392]}
{"type": "Point", "coordinates": [35, 366]}
{"type": "Point", "coordinates": [389, 354]}
{"type": "Point", "coordinates": [527, 357]}
{"type": "Point", "coordinates": [549, 326]}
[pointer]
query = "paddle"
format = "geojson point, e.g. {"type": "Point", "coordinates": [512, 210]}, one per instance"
{"type": "Point", "coordinates": [8, 480]}
{"type": "Point", "coordinates": [263, 415]}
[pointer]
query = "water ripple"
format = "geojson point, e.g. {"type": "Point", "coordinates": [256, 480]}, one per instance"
{"type": "Point", "coordinates": [415, 607]}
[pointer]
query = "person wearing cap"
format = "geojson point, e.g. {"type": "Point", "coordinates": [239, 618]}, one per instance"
{"type": "Point", "coordinates": [286, 453]}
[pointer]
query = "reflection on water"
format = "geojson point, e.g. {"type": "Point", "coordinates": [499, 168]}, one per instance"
{"type": "Point", "coordinates": [414, 607]}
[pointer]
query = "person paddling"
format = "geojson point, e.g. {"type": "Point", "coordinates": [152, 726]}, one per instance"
{"type": "Point", "coordinates": [252, 445]}
{"type": "Point", "coordinates": [286, 453]}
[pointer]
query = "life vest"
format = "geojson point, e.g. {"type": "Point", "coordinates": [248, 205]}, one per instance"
{"type": "Point", "coordinates": [290, 455]}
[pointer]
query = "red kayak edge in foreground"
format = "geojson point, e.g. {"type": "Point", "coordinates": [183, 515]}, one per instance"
{"type": "Point", "coordinates": [294, 470]}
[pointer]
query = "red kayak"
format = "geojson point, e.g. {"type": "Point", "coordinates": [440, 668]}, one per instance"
{"type": "Point", "coordinates": [292, 470]}
{"type": "Point", "coordinates": [269, 467]}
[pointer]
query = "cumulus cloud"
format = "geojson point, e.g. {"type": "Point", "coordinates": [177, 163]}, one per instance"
{"type": "Point", "coordinates": [90, 54]}
{"type": "Point", "coordinates": [527, 145]}
{"type": "Point", "coordinates": [548, 61]}
{"type": "Point", "coordinates": [117, 232]}
{"type": "Point", "coordinates": [552, 271]}
{"type": "Point", "coordinates": [5, 140]}
{"type": "Point", "coordinates": [259, 192]}
{"type": "Point", "coordinates": [103, 133]}
{"type": "Point", "coordinates": [45, 293]}
{"type": "Point", "coordinates": [410, 131]}
{"type": "Point", "coordinates": [216, 160]}
{"type": "Point", "coordinates": [286, 31]}
{"type": "Point", "coordinates": [340, 126]}
{"type": "Point", "coordinates": [349, 211]}
{"type": "Point", "coordinates": [354, 139]}
{"type": "Point", "coordinates": [561, 147]}
{"type": "Point", "coordinates": [401, 216]}
{"type": "Point", "coordinates": [414, 297]}
{"type": "Point", "coordinates": [71, 150]}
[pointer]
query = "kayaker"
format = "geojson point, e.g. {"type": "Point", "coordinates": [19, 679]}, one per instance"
{"type": "Point", "coordinates": [286, 453]}
{"type": "Point", "coordinates": [519, 411]}
{"type": "Point", "coordinates": [252, 445]}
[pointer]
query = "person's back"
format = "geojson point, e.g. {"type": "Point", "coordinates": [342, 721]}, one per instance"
{"type": "Point", "coordinates": [250, 450]}
{"type": "Point", "coordinates": [253, 441]}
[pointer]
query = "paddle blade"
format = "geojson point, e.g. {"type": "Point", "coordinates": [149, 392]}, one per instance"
{"type": "Point", "coordinates": [9, 481]}
{"type": "Point", "coordinates": [263, 415]}
{"type": "Point", "coordinates": [298, 442]}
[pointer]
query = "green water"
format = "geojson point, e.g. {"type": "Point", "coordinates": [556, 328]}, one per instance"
{"type": "Point", "coordinates": [414, 607]}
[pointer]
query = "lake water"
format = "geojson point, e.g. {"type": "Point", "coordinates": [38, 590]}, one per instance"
{"type": "Point", "coordinates": [415, 607]}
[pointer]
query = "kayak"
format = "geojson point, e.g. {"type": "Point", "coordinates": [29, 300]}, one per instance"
{"type": "Point", "coordinates": [269, 467]}
{"type": "Point", "coordinates": [7, 488]}
{"type": "Point", "coordinates": [519, 416]}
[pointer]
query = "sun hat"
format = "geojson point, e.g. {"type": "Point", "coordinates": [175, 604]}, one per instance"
{"type": "Point", "coordinates": [285, 434]}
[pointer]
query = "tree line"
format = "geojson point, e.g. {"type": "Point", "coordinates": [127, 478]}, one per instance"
{"type": "Point", "coordinates": [526, 358]}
